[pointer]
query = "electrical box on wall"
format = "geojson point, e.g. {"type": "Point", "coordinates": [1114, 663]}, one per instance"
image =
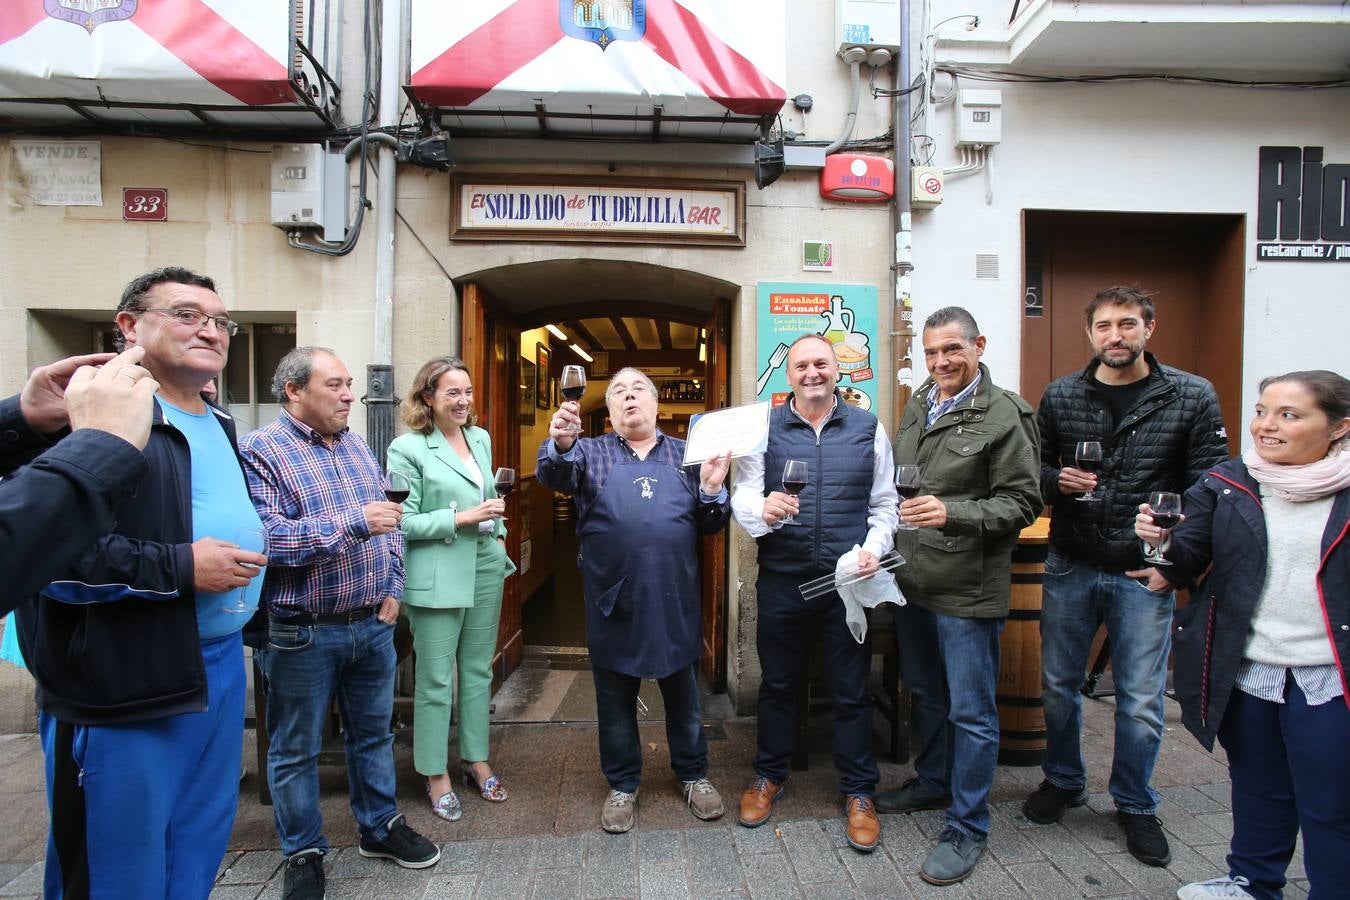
{"type": "Point", "coordinates": [979, 117]}
{"type": "Point", "coordinates": [926, 186]}
{"type": "Point", "coordinates": [867, 23]}
{"type": "Point", "coordinates": [309, 189]}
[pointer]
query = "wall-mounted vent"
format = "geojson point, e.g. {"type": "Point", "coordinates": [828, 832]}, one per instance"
{"type": "Point", "coordinates": [986, 266]}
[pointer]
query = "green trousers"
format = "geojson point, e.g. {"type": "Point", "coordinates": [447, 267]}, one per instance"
{"type": "Point", "coordinates": [456, 641]}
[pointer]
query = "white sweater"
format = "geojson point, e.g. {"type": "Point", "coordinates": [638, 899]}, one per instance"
{"type": "Point", "coordinates": [1287, 628]}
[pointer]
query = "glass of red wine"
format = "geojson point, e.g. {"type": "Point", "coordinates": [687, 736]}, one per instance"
{"type": "Point", "coordinates": [1165, 507]}
{"type": "Point", "coordinates": [1088, 457]}
{"type": "Point", "coordinates": [572, 384]}
{"type": "Point", "coordinates": [908, 482]}
{"type": "Point", "coordinates": [505, 482]}
{"type": "Point", "coordinates": [794, 482]}
{"type": "Point", "coordinates": [397, 487]}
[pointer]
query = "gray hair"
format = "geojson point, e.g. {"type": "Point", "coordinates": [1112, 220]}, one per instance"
{"type": "Point", "coordinates": [638, 372]}
{"type": "Point", "coordinates": [954, 315]}
{"type": "Point", "coordinates": [296, 367]}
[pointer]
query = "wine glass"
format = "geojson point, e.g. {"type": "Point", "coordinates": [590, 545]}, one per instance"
{"type": "Point", "coordinates": [397, 487]}
{"type": "Point", "coordinates": [505, 483]}
{"type": "Point", "coordinates": [1088, 457]}
{"type": "Point", "coordinates": [1165, 507]}
{"type": "Point", "coordinates": [908, 482]}
{"type": "Point", "coordinates": [572, 384]}
{"type": "Point", "coordinates": [794, 482]}
{"type": "Point", "coordinates": [253, 540]}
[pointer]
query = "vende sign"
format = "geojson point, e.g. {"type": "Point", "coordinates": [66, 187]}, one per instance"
{"type": "Point", "coordinates": [616, 210]}
{"type": "Point", "coordinates": [1304, 205]}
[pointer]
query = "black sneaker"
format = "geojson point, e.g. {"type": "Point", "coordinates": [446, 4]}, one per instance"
{"type": "Point", "coordinates": [403, 845]}
{"type": "Point", "coordinates": [304, 876]}
{"type": "Point", "coordinates": [1144, 838]}
{"type": "Point", "coordinates": [910, 797]}
{"type": "Point", "coordinates": [1047, 803]}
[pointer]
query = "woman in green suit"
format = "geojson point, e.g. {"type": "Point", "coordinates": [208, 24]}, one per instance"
{"type": "Point", "coordinates": [456, 563]}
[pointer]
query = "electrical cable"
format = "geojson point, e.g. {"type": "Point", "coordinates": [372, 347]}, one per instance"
{"type": "Point", "coordinates": [1028, 78]}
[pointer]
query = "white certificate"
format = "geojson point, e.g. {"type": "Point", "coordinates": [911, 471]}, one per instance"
{"type": "Point", "coordinates": [743, 430]}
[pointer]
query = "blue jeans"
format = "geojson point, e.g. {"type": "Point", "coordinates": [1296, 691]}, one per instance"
{"type": "Point", "coordinates": [620, 745]}
{"type": "Point", "coordinates": [1077, 598]}
{"type": "Point", "coordinates": [1287, 761]}
{"type": "Point", "coordinates": [304, 665]}
{"type": "Point", "coordinates": [950, 666]}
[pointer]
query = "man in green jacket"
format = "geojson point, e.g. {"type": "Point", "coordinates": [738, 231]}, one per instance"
{"type": "Point", "coordinates": [977, 448]}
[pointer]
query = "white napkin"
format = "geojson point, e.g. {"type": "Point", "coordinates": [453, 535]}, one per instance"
{"type": "Point", "coordinates": [866, 594]}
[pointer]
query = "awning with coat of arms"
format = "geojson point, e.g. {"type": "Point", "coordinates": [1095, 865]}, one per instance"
{"type": "Point", "coordinates": [683, 58]}
{"type": "Point", "coordinates": [154, 53]}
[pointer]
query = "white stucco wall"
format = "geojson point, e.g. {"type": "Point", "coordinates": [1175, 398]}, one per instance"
{"type": "Point", "coordinates": [1151, 147]}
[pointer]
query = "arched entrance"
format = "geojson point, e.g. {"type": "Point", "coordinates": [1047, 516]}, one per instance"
{"type": "Point", "coordinates": [520, 324]}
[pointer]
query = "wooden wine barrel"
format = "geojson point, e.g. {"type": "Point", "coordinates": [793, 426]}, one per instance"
{"type": "Point", "coordinates": [1021, 712]}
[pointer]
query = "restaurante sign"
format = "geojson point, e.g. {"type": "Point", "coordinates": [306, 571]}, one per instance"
{"type": "Point", "coordinates": [619, 210]}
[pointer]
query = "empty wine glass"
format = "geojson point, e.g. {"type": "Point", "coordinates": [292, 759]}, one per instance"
{"type": "Point", "coordinates": [505, 482]}
{"type": "Point", "coordinates": [794, 482]}
{"type": "Point", "coordinates": [1088, 457]}
{"type": "Point", "coordinates": [572, 384]}
{"type": "Point", "coordinates": [1165, 507]}
{"type": "Point", "coordinates": [908, 483]}
{"type": "Point", "coordinates": [254, 540]}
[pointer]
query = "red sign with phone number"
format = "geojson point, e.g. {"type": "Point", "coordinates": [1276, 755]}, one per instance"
{"type": "Point", "coordinates": [145, 204]}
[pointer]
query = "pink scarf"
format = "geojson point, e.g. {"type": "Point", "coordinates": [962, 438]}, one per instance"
{"type": "Point", "coordinates": [1310, 481]}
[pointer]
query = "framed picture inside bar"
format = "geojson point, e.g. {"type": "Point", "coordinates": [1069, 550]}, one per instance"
{"type": "Point", "coordinates": [527, 389]}
{"type": "Point", "coordinates": [541, 389]}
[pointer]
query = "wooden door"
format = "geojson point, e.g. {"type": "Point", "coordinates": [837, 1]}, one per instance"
{"type": "Point", "coordinates": [714, 549]}
{"type": "Point", "coordinates": [491, 351]}
{"type": "Point", "coordinates": [1192, 264]}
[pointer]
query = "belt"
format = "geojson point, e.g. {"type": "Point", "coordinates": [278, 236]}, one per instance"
{"type": "Point", "coordinates": [347, 618]}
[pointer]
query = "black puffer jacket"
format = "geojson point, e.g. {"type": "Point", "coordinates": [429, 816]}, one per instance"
{"type": "Point", "coordinates": [1170, 438]}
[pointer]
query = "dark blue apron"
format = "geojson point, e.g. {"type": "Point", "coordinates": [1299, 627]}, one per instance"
{"type": "Point", "coordinates": [639, 566]}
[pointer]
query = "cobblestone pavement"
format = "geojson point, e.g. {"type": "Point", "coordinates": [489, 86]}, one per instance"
{"type": "Point", "coordinates": [545, 843]}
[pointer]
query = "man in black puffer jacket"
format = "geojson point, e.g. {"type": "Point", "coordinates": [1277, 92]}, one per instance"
{"type": "Point", "coordinates": [1159, 430]}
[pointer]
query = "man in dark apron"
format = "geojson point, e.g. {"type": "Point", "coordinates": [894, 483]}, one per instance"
{"type": "Point", "coordinates": [639, 518]}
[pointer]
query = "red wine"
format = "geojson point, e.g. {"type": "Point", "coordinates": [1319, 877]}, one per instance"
{"type": "Point", "coordinates": [794, 487]}
{"type": "Point", "coordinates": [1089, 465]}
{"type": "Point", "coordinates": [573, 393]}
{"type": "Point", "coordinates": [1165, 521]}
{"type": "Point", "coordinates": [504, 488]}
{"type": "Point", "coordinates": [396, 496]}
{"type": "Point", "coordinates": [907, 491]}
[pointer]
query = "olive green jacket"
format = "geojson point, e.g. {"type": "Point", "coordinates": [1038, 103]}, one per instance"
{"type": "Point", "coordinates": [982, 460]}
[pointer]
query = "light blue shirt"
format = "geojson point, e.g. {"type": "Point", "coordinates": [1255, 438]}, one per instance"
{"type": "Point", "coordinates": [937, 409]}
{"type": "Point", "coordinates": [220, 507]}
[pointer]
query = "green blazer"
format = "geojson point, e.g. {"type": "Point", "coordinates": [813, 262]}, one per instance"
{"type": "Point", "coordinates": [442, 561]}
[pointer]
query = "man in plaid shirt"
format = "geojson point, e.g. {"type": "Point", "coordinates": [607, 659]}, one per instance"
{"type": "Point", "coordinates": [334, 580]}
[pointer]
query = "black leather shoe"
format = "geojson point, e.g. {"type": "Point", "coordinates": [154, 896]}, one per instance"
{"type": "Point", "coordinates": [304, 876]}
{"type": "Point", "coordinates": [1047, 803]}
{"type": "Point", "coordinates": [910, 797]}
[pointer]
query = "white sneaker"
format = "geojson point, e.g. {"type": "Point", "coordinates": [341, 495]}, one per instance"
{"type": "Point", "coordinates": [1231, 888]}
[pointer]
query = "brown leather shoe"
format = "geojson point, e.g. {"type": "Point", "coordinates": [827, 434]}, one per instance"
{"type": "Point", "coordinates": [758, 800]}
{"type": "Point", "coordinates": [862, 828]}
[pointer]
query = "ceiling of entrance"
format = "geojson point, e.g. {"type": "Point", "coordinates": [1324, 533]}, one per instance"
{"type": "Point", "coordinates": [606, 304]}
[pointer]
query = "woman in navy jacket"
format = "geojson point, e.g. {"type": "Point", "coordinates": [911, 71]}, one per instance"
{"type": "Point", "coordinates": [1260, 654]}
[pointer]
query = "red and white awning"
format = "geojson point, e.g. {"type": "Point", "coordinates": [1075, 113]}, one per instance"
{"type": "Point", "coordinates": [609, 57]}
{"type": "Point", "coordinates": [189, 52]}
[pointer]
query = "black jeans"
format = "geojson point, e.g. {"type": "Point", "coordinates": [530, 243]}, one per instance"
{"type": "Point", "coordinates": [620, 746]}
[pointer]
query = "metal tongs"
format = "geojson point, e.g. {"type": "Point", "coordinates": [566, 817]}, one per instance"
{"type": "Point", "coordinates": [826, 583]}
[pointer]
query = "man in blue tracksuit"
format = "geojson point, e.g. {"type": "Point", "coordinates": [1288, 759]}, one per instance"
{"type": "Point", "coordinates": [136, 652]}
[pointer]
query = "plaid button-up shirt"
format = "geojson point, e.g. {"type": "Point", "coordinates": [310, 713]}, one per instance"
{"type": "Point", "coordinates": [321, 558]}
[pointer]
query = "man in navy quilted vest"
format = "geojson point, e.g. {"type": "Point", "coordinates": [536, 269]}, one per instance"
{"type": "Point", "coordinates": [848, 499]}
